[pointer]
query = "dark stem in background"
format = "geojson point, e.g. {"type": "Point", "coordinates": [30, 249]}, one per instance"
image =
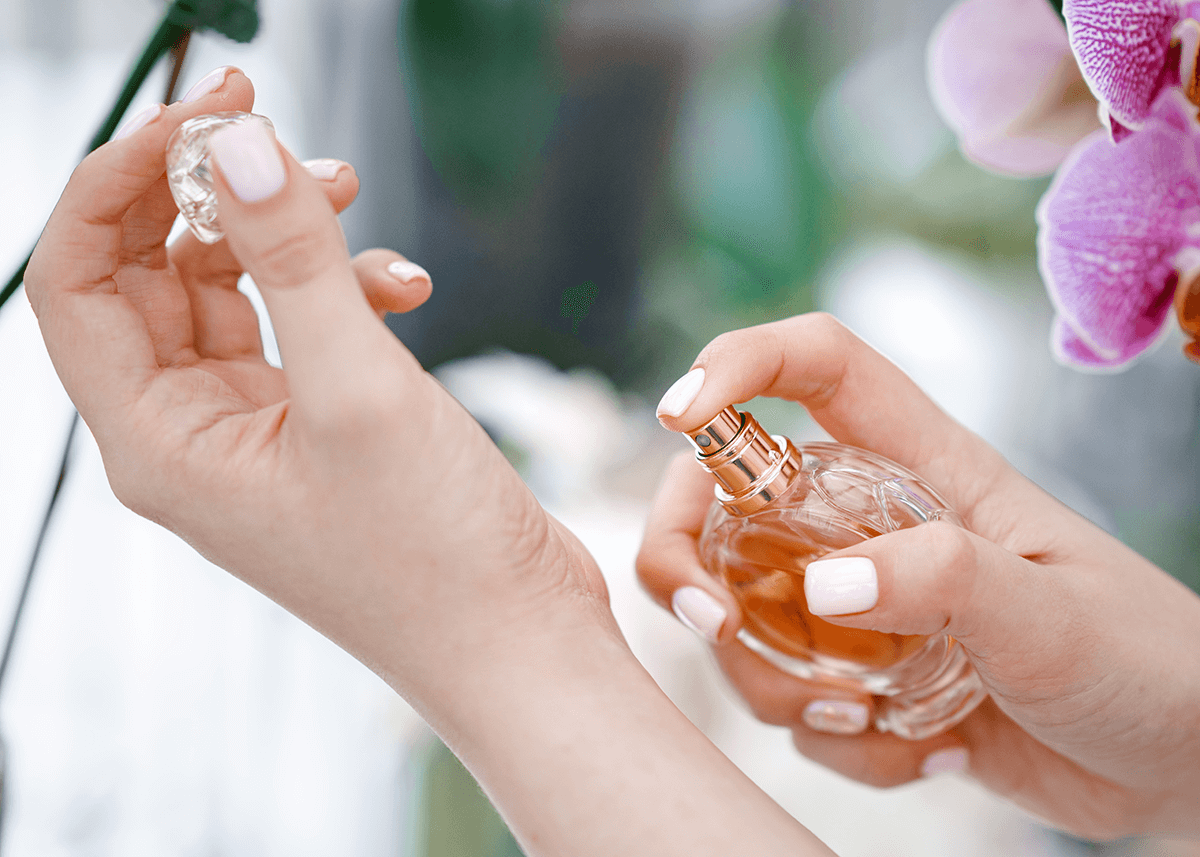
{"type": "Point", "coordinates": [170, 38]}
{"type": "Point", "coordinates": [63, 466]}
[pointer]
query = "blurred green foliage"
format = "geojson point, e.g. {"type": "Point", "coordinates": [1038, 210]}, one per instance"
{"type": "Point", "coordinates": [458, 819]}
{"type": "Point", "coordinates": [486, 81]}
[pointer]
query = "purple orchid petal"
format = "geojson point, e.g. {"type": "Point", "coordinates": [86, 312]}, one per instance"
{"type": "Point", "coordinates": [1124, 50]}
{"type": "Point", "coordinates": [1003, 77]}
{"type": "Point", "coordinates": [1070, 349]}
{"type": "Point", "coordinates": [1113, 227]}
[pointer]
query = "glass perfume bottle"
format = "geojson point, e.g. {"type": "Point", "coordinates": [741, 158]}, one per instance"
{"type": "Point", "coordinates": [189, 171]}
{"type": "Point", "coordinates": [779, 507]}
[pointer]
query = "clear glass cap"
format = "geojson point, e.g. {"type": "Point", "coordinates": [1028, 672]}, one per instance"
{"type": "Point", "coordinates": [189, 171]}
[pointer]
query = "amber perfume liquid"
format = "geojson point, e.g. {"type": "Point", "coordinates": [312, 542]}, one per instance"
{"type": "Point", "coordinates": [779, 507]}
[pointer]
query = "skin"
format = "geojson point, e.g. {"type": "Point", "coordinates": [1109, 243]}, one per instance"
{"type": "Point", "coordinates": [353, 490]}
{"type": "Point", "coordinates": [1091, 653]}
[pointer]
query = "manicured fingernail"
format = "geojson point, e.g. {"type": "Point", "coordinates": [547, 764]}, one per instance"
{"type": "Point", "coordinates": [843, 585]}
{"type": "Point", "coordinates": [681, 394]}
{"type": "Point", "coordinates": [951, 761]}
{"type": "Point", "coordinates": [836, 716]}
{"type": "Point", "coordinates": [699, 611]}
{"type": "Point", "coordinates": [324, 169]}
{"type": "Point", "coordinates": [139, 120]}
{"type": "Point", "coordinates": [211, 82]}
{"type": "Point", "coordinates": [406, 271]}
{"type": "Point", "coordinates": [249, 159]}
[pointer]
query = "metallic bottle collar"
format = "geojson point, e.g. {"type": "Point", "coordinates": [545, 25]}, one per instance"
{"type": "Point", "coordinates": [751, 467]}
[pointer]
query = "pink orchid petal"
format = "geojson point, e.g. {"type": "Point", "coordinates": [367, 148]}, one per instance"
{"type": "Point", "coordinates": [1124, 51]}
{"type": "Point", "coordinates": [1003, 77]}
{"type": "Point", "coordinates": [1112, 227]}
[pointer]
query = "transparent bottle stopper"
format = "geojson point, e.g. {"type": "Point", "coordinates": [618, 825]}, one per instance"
{"type": "Point", "coordinates": [189, 171]}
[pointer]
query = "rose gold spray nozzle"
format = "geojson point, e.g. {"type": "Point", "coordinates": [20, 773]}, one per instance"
{"type": "Point", "coordinates": [751, 467]}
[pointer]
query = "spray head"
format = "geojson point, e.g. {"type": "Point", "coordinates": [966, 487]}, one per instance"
{"type": "Point", "coordinates": [751, 467]}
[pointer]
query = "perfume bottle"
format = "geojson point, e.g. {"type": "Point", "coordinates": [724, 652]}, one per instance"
{"type": "Point", "coordinates": [189, 171]}
{"type": "Point", "coordinates": [779, 507]}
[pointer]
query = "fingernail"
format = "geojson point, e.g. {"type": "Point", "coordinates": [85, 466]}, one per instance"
{"type": "Point", "coordinates": [211, 82]}
{"type": "Point", "coordinates": [699, 611]}
{"type": "Point", "coordinates": [843, 585]}
{"type": "Point", "coordinates": [249, 159]}
{"type": "Point", "coordinates": [836, 716]}
{"type": "Point", "coordinates": [681, 394]}
{"type": "Point", "coordinates": [139, 120]}
{"type": "Point", "coordinates": [324, 169]}
{"type": "Point", "coordinates": [406, 271]}
{"type": "Point", "coordinates": [951, 761]}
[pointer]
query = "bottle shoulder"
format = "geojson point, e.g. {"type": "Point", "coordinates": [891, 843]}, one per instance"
{"type": "Point", "coordinates": [842, 494]}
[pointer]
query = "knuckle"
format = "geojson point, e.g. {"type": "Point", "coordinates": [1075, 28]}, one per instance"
{"type": "Point", "coordinates": [948, 547]}
{"type": "Point", "coordinates": [294, 259]}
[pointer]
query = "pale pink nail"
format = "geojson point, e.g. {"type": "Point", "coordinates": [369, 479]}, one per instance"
{"type": "Point", "coordinates": [211, 82]}
{"type": "Point", "coordinates": [681, 394]}
{"type": "Point", "coordinates": [139, 120]}
{"type": "Point", "coordinates": [406, 271]}
{"type": "Point", "coordinates": [951, 761]}
{"type": "Point", "coordinates": [324, 169]}
{"type": "Point", "coordinates": [699, 611]}
{"type": "Point", "coordinates": [844, 585]}
{"type": "Point", "coordinates": [249, 159]}
{"type": "Point", "coordinates": [836, 716]}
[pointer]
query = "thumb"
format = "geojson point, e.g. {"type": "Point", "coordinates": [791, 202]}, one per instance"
{"type": "Point", "coordinates": [1009, 613]}
{"type": "Point", "coordinates": [282, 228]}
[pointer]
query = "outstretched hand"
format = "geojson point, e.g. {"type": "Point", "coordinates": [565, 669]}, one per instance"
{"type": "Point", "coordinates": [1091, 654]}
{"type": "Point", "coordinates": [326, 484]}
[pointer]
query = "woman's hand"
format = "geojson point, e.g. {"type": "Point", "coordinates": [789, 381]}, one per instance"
{"type": "Point", "coordinates": [333, 485]}
{"type": "Point", "coordinates": [1091, 653]}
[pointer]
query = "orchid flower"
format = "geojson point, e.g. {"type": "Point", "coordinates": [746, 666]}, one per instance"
{"type": "Point", "coordinates": [1118, 232]}
{"type": "Point", "coordinates": [1002, 75]}
{"type": "Point", "coordinates": [1119, 228]}
{"type": "Point", "coordinates": [1129, 51]}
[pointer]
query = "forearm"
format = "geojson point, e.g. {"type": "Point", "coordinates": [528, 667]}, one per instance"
{"type": "Point", "coordinates": [584, 755]}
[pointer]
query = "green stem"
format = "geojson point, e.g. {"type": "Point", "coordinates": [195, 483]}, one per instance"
{"type": "Point", "coordinates": [166, 35]}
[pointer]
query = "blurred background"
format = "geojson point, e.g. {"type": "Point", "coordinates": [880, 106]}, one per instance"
{"type": "Point", "coordinates": [598, 187]}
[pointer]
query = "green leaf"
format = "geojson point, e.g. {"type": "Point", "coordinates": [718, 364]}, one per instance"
{"type": "Point", "coordinates": [236, 19]}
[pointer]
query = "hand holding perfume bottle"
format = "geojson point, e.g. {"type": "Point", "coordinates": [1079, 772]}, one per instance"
{"type": "Point", "coordinates": [1089, 653]}
{"type": "Point", "coordinates": [780, 507]}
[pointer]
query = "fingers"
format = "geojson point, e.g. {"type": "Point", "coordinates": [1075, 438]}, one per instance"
{"type": "Point", "coordinates": [881, 760]}
{"type": "Point", "coordinates": [855, 393]}
{"type": "Point", "coordinates": [782, 699]}
{"type": "Point", "coordinates": [115, 179]}
{"type": "Point", "coordinates": [938, 578]}
{"type": "Point", "coordinates": [101, 340]}
{"type": "Point", "coordinates": [282, 228]}
{"type": "Point", "coordinates": [668, 563]}
{"type": "Point", "coordinates": [224, 322]}
{"type": "Point", "coordinates": [391, 282]}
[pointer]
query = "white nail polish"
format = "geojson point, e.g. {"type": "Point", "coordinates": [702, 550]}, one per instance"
{"type": "Point", "coordinates": [249, 159]}
{"type": "Point", "coordinates": [681, 394]}
{"type": "Point", "coordinates": [699, 611]}
{"type": "Point", "coordinates": [324, 169]}
{"type": "Point", "coordinates": [951, 761]}
{"type": "Point", "coordinates": [211, 82]}
{"type": "Point", "coordinates": [836, 716]}
{"type": "Point", "coordinates": [844, 585]}
{"type": "Point", "coordinates": [140, 120]}
{"type": "Point", "coordinates": [406, 271]}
